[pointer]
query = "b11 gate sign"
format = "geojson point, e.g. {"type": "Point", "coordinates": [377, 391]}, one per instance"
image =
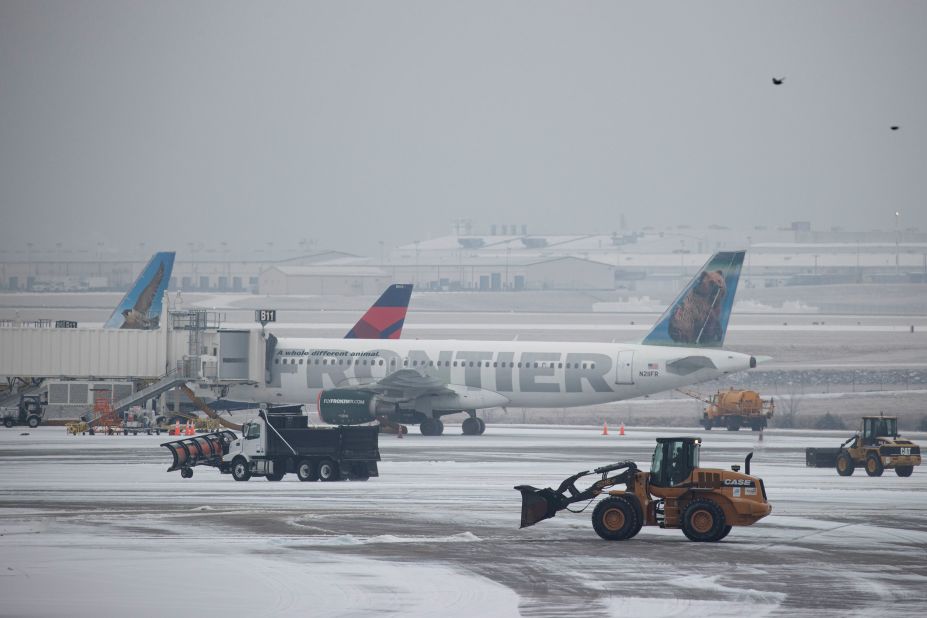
{"type": "Point", "coordinates": [265, 316]}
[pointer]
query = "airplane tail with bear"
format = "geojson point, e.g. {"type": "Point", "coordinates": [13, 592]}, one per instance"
{"type": "Point", "coordinates": [698, 317]}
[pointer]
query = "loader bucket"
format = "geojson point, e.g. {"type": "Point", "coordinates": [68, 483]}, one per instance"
{"type": "Point", "coordinates": [537, 504]}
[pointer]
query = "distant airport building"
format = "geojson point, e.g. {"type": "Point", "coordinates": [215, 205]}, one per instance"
{"type": "Point", "coordinates": [649, 260]}
{"type": "Point", "coordinates": [323, 279]}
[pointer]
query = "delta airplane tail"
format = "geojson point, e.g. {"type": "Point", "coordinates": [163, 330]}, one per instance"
{"type": "Point", "coordinates": [698, 317]}
{"type": "Point", "coordinates": [385, 318]}
{"type": "Point", "coordinates": [140, 308]}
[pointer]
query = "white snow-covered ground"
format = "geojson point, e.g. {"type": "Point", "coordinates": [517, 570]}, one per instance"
{"type": "Point", "coordinates": [94, 526]}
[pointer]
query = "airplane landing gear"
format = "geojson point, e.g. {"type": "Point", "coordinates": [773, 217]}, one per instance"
{"type": "Point", "coordinates": [473, 426]}
{"type": "Point", "coordinates": [431, 427]}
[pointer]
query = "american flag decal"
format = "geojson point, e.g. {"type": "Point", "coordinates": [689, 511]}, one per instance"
{"type": "Point", "coordinates": [652, 366]}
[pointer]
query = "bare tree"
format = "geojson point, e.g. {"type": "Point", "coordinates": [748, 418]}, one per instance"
{"type": "Point", "coordinates": [788, 408]}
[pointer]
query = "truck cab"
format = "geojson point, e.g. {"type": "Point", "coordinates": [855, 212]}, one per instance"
{"type": "Point", "coordinates": [253, 438]}
{"type": "Point", "coordinates": [249, 451]}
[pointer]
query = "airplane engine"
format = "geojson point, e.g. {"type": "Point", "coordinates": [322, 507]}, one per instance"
{"type": "Point", "coordinates": [342, 406]}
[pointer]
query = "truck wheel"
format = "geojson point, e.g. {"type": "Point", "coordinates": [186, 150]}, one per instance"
{"type": "Point", "coordinates": [328, 471]}
{"type": "Point", "coordinates": [733, 427]}
{"type": "Point", "coordinates": [904, 470]}
{"type": "Point", "coordinates": [33, 421]}
{"type": "Point", "coordinates": [707, 426]}
{"type": "Point", "coordinates": [703, 521]}
{"type": "Point", "coordinates": [305, 471]}
{"type": "Point", "coordinates": [8, 422]}
{"type": "Point", "coordinates": [186, 473]}
{"type": "Point", "coordinates": [240, 471]}
{"type": "Point", "coordinates": [276, 476]}
{"type": "Point", "coordinates": [615, 519]}
{"type": "Point", "coordinates": [874, 465]}
{"type": "Point", "coordinates": [845, 465]}
{"type": "Point", "coordinates": [726, 531]}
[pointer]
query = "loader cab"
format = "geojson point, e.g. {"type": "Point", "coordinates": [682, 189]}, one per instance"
{"type": "Point", "coordinates": [879, 426]}
{"type": "Point", "coordinates": [674, 459]}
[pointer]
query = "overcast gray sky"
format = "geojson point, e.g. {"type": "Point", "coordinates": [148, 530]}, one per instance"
{"type": "Point", "coordinates": [354, 122]}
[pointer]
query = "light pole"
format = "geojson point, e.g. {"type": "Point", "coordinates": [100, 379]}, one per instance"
{"type": "Point", "coordinates": [897, 239]}
{"type": "Point", "coordinates": [859, 274]}
{"type": "Point", "coordinates": [505, 284]}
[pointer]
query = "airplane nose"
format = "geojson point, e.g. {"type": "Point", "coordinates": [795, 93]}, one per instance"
{"type": "Point", "coordinates": [733, 362]}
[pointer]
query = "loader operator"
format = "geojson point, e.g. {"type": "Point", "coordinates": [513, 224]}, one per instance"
{"type": "Point", "coordinates": [678, 471]}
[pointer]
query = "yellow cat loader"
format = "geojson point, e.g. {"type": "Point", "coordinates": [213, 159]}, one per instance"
{"type": "Point", "coordinates": [706, 503]}
{"type": "Point", "coordinates": [876, 446]}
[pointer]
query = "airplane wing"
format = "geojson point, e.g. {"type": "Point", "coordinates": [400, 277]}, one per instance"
{"type": "Point", "coordinates": [426, 393]}
{"type": "Point", "coordinates": [407, 384]}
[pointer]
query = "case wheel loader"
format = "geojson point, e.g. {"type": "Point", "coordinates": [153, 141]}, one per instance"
{"type": "Point", "coordinates": [676, 493]}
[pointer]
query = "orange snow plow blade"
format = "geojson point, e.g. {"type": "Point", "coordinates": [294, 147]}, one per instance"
{"type": "Point", "coordinates": [205, 449]}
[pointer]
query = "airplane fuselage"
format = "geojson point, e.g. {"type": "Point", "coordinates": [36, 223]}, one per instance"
{"type": "Point", "coordinates": [490, 373]}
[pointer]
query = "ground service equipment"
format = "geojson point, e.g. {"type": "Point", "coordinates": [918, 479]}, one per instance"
{"type": "Point", "coordinates": [29, 411]}
{"type": "Point", "coordinates": [274, 444]}
{"type": "Point", "coordinates": [876, 446]}
{"type": "Point", "coordinates": [676, 493]}
{"type": "Point", "coordinates": [733, 409]}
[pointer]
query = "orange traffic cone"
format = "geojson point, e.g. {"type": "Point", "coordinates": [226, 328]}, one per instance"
{"type": "Point", "coordinates": [605, 429]}
{"type": "Point", "coordinates": [176, 430]}
{"type": "Point", "coordinates": [621, 430]}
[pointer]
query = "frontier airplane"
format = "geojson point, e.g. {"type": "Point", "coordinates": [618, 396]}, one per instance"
{"type": "Point", "coordinates": [357, 380]}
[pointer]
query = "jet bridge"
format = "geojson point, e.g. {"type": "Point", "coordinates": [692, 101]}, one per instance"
{"type": "Point", "coordinates": [190, 348]}
{"type": "Point", "coordinates": [88, 353]}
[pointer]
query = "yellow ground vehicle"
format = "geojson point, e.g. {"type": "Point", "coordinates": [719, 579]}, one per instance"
{"type": "Point", "coordinates": [876, 446]}
{"type": "Point", "coordinates": [676, 493]}
{"type": "Point", "coordinates": [734, 409]}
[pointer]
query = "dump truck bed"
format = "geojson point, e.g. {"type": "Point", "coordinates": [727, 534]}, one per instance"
{"type": "Point", "coordinates": [341, 442]}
